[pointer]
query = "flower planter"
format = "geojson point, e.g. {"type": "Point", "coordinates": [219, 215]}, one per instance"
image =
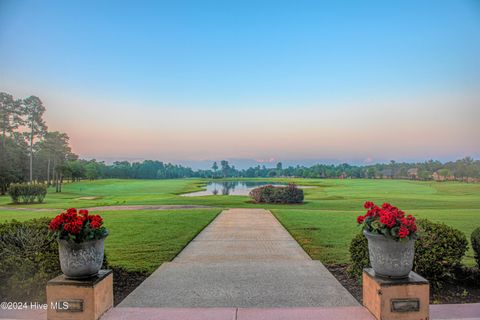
{"type": "Point", "coordinates": [391, 238]}
{"type": "Point", "coordinates": [390, 258]}
{"type": "Point", "coordinates": [81, 260]}
{"type": "Point", "coordinates": [80, 239]}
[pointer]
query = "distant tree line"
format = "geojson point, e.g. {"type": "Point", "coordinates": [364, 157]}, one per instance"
{"type": "Point", "coordinates": [148, 169]}
{"type": "Point", "coordinates": [463, 169]}
{"type": "Point", "coordinates": [31, 153]}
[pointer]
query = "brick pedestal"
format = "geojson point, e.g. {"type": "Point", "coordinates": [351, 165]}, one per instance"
{"type": "Point", "coordinates": [402, 299]}
{"type": "Point", "coordinates": [80, 299]}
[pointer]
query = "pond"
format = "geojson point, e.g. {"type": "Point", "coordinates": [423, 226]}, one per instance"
{"type": "Point", "coordinates": [233, 188]}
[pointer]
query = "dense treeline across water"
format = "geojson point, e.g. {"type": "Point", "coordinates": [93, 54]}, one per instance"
{"type": "Point", "coordinates": [31, 153]}
{"type": "Point", "coordinates": [463, 169]}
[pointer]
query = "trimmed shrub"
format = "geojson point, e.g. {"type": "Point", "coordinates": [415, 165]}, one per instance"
{"type": "Point", "coordinates": [272, 194]}
{"type": "Point", "coordinates": [28, 259]}
{"type": "Point", "coordinates": [27, 192]}
{"type": "Point", "coordinates": [475, 239]}
{"type": "Point", "coordinates": [358, 255]}
{"type": "Point", "coordinates": [262, 194]}
{"type": "Point", "coordinates": [438, 251]}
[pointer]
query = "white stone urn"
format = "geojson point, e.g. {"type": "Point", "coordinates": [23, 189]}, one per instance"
{"type": "Point", "coordinates": [81, 260]}
{"type": "Point", "coordinates": [390, 258]}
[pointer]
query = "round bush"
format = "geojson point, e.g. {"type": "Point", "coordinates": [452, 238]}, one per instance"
{"type": "Point", "coordinates": [438, 251]}
{"type": "Point", "coordinates": [475, 239]}
{"type": "Point", "coordinates": [272, 194]}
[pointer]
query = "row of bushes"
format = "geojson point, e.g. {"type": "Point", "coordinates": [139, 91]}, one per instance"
{"type": "Point", "coordinates": [27, 192]}
{"type": "Point", "coordinates": [438, 251]}
{"type": "Point", "coordinates": [274, 194]}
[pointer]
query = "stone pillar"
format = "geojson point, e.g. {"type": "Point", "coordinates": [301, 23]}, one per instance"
{"type": "Point", "coordinates": [85, 299]}
{"type": "Point", "coordinates": [396, 299]}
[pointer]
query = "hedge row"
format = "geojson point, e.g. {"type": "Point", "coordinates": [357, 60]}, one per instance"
{"type": "Point", "coordinates": [438, 251]}
{"type": "Point", "coordinates": [273, 194]}
{"type": "Point", "coordinates": [27, 192]}
{"type": "Point", "coordinates": [28, 259]}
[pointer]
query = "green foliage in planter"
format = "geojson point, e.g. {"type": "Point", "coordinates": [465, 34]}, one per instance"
{"type": "Point", "coordinates": [272, 194]}
{"type": "Point", "coordinates": [27, 192]}
{"type": "Point", "coordinates": [475, 239]}
{"type": "Point", "coordinates": [28, 259]}
{"type": "Point", "coordinates": [438, 251]}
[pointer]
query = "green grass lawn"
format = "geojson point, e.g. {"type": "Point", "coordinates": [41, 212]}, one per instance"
{"type": "Point", "coordinates": [324, 225]}
{"type": "Point", "coordinates": [327, 194]}
{"type": "Point", "coordinates": [113, 192]}
{"type": "Point", "coordinates": [326, 235]}
{"type": "Point", "coordinates": [142, 240]}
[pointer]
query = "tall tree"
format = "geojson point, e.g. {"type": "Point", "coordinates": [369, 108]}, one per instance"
{"type": "Point", "coordinates": [393, 166]}
{"type": "Point", "coordinates": [225, 167]}
{"type": "Point", "coordinates": [279, 168]}
{"type": "Point", "coordinates": [10, 151]}
{"type": "Point", "coordinates": [60, 152]}
{"type": "Point", "coordinates": [371, 173]}
{"type": "Point", "coordinates": [215, 168]}
{"type": "Point", "coordinates": [52, 154]}
{"type": "Point", "coordinates": [10, 115]}
{"type": "Point", "coordinates": [33, 109]}
{"type": "Point", "coordinates": [45, 150]}
{"type": "Point", "coordinates": [13, 161]}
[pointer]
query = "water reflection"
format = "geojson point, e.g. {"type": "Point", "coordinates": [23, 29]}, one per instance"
{"type": "Point", "coordinates": [235, 188]}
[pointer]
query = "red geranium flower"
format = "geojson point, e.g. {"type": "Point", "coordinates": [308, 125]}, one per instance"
{"type": "Point", "coordinates": [368, 205]}
{"type": "Point", "coordinates": [387, 218]}
{"type": "Point", "coordinates": [383, 220]}
{"type": "Point", "coordinates": [403, 232]}
{"type": "Point", "coordinates": [72, 225]}
{"type": "Point", "coordinates": [95, 221]}
{"type": "Point", "coordinates": [56, 223]}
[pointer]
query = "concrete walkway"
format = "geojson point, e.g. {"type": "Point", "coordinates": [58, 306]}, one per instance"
{"type": "Point", "coordinates": [469, 311]}
{"type": "Point", "coordinates": [437, 312]}
{"type": "Point", "coordinates": [244, 258]}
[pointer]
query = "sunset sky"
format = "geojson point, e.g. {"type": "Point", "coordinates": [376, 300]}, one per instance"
{"type": "Point", "coordinates": [295, 81]}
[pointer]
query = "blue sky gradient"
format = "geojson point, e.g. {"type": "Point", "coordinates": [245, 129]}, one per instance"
{"type": "Point", "coordinates": [222, 61]}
